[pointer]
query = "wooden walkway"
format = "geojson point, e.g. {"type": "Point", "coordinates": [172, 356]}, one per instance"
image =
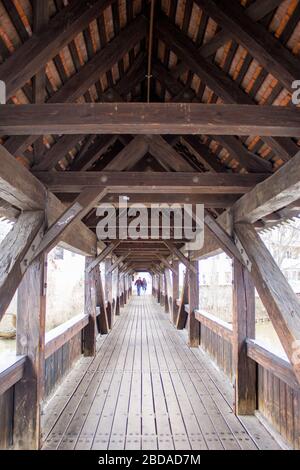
{"type": "Point", "coordinates": [146, 389]}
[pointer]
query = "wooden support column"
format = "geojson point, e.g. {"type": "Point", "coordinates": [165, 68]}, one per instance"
{"type": "Point", "coordinates": [30, 342]}
{"type": "Point", "coordinates": [124, 289]}
{"type": "Point", "coordinates": [158, 288]}
{"type": "Point", "coordinates": [89, 332]}
{"type": "Point", "coordinates": [102, 321]}
{"type": "Point", "coordinates": [243, 328]}
{"type": "Point", "coordinates": [193, 293]}
{"type": "Point", "coordinates": [118, 292]}
{"type": "Point", "coordinates": [184, 298]}
{"type": "Point", "coordinates": [121, 281]}
{"type": "Point", "coordinates": [162, 290]}
{"type": "Point", "coordinates": [166, 296]}
{"type": "Point", "coordinates": [108, 292]}
{"type": "Point", "coordinates": [175, 290]}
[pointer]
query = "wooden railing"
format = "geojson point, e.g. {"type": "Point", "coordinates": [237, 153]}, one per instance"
{"type": "Point", "coordinates": [60, 335]}
{"type": "Point", "coordinates": [11, 371]}
{"type": "Point", "coordinates": [277, 365]}
{"type": "Point", "coordinates": [220, 327]}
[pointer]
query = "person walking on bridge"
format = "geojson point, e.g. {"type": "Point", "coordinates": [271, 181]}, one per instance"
{"type": "Point", "coordinates": [139, 285]}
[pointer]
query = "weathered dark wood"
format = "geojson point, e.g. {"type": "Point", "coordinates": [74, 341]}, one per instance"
{"type": "Point", "coordinates": [19, 187]}
{"type": "Point", "coordinates": [174, 250]}
{"type": "Point", "coordinates": [106, 252]}
{"type": "Point", "coordinates": [184, 298]}
{"type": "Point", "coordinates": [154, 182]}
{"type": "Point", "coordinates": [11, 371]}
{"type": "Point", "coordinates": [268, 51]}
{"type": "Point", "coordinates": [224, 240]}
{"type": "Point", "coordinates": [108, 292]}
{"type": "Point", "coordinates": [42, 47]}
{"type": "Point", "coordinates": [175, 289]}
{"type": "Point", "coordinates": [274, 290]}
{"type": "Point", "coordinates": [193, 301]}
{"type": "Point", "coordinates": [81, 207]}
{"type": "Point", "coordinates": [89, 332]}
{"type": "Point", "coordinates": [153, 118]}
{"type": "Point", "coordinates": [15, 254]}
{"type": "Point", "coordinates": [102, 320]}
{"type": "Point", "coordinates": [278, 191]}
{"type": "Point", "coordinates": [243, 328]}
{"type": "Point", "coordinates": [129, 156]}
{"type": "Point", "coordinates": [216, 325]}
{"type": "Point", "coordinates": [273, 363]}
{"type": "Point", "coordinates": [62, 334]}
{"type": "Point", "coordinates": [30, 342]}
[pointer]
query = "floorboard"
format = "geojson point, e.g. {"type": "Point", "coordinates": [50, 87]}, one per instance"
{"type": "Point", "coordinates": [146, 389]}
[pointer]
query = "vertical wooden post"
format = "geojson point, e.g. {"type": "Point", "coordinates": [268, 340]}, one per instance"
{"type": "Point", "coordinates": [158, 288]}
{"type": "Point", "coordinates": [122, 291]}
{"type": "Point", "coordinates": [30, 342]}
{"type": "Point", "coordinates": [117, 292]}
{"type": "Point", "coordinates": [166, 296]}
{"type": "Point", "coordinates": [108, 292]}
{"type": "Point", "coordinates": [125, 291]}
{"type": "Point", "coordinates": [89, 332]}
{"type": "Point", "coordinates": [193, 294]}
{"type": "Point", "coordinates": [175, 290]}
{"type": "Point", "coordinates": [243, 328]}
{"type": "Point", "coordinates": [102, 321]}
{"type": "Point", "coordinates": [162, 290]}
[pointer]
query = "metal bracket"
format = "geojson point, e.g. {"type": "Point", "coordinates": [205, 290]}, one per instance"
{"type": "Point", "coordinates": [2, 92]}
{"type": "Point", "coordinates": [243, 253]}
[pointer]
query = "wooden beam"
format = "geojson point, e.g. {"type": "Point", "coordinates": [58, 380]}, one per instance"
{"type": "Point", "coordinates": [166, 155]}
{"type": "Point", "coordinates": [275, 292]}
{"type": "Point", "coordinates": [175, 289]}
{"type": "Point", "coordinates": [153, 118]}
{"type": "Point", "coordinates": [165, 262]}
{"type": "Point", "coordinates": [243, 328]}
{"type": "Point", "coordinates": [275, 193]}
{"type": "Point", "coordinates": [93, 153]}
{"type": "Point", "coordinates": [57, 152]}
{"type": "Point", "coordinates": [262, 45]}
{"type": "Point", "coordinates": [40, 21]}
{"type": "Point", "coordinates": [106, 252]}
{"type": "Point", "coordinates": [256, 11]}
{"type": "Point", "coordinates": [21, 66]}
{"type": "Point", "coordinates": [15, 251]}
{"type": "Point", "coordinates": [129, 156]}
{"type": "Point", "coordinates": [102, 321]}
{"type": "Point", "coordinates": [117, 263]}
{"type": "Point", "coordinates": [81, 207]}
{"type": "Point", "coordinates": [79, 83]}
{"type": "Point", "coordinates": [193, 301]}
{"type": "Point", "coordinates": [225, 241]}
{"type": "Point", "coordinates": [130, 182]}
{"type": "Point", "coordinates": [89, 332]}
{"type": "Point", "coordinates": [217, 80]}
{"type": "Point", "coordinates": [182, 315]}
{"type": "Point", "coordinates": [28, 392]}
{"type": "Point", "coordinates": [18, 186]}
{"type": "Point", "coordinates": [21, 189]}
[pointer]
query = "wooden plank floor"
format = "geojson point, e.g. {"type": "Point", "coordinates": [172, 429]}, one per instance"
{"type": "Point", "coordinates": [146, 389]}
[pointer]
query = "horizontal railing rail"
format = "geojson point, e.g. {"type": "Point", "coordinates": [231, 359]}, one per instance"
{"type": "Point", "coordinates": [275, 364]}
{"type": "Point", "coordinates": [11, 371]}
{"type": "Point", "coordinates": [218, 326]}
{"type": "Point", "coordinates": [60, 335]}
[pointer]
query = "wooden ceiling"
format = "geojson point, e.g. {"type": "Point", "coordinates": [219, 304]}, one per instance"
{"type": "Point", "coordinates": [202, 51]}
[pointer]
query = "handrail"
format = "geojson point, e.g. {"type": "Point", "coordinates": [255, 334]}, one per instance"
{"type": "Point", "coordinates": [60, 335]}
{"type": "Point", "coordinates": [277, 365]}
{"type": "Point", "coordinates": [218, 326]}
{"type": "Point", "coordinates": [11, 371]}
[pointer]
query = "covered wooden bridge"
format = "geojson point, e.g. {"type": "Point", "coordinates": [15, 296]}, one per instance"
{"type": "Point", "coordinates": [157, 102]}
